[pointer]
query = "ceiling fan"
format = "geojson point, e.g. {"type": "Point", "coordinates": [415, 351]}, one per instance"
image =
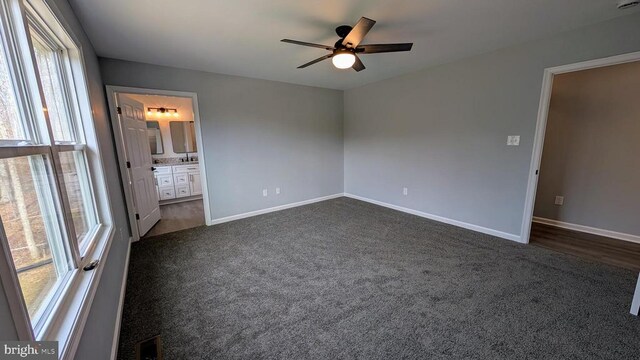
{"type": "Point", "coordinates": [344, 53]}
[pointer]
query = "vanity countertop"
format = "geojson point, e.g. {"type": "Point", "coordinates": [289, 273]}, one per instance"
{"type": "Point", "coordinates": [177, 164]}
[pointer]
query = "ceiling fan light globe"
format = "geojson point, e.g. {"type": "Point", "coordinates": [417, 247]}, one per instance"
{"type": "Point", "coordinates": [343, 60]}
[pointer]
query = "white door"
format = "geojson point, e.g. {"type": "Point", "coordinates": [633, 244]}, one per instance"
{"type": "Point", "coordinates": [141, 178]}
{"type": "Point", "coordinates": [195, 183]}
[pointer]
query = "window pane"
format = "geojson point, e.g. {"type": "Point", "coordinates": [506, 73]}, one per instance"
{"type": "Point", "coordinates": [10, 123]}
{"type": "Point", "coordinates": [51, 77]}
{"type": "Point", "coordinates": [33, 230]}
{"type": "Point", "coordinates": [76, 182]}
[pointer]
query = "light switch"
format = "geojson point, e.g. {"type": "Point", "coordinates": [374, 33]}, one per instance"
{"type": "Point", "coordinates": [513, 140]}
{"type": "Point", "coordinates": [559, 200]}
{"type": "Point", "coordinates": [264, 192]}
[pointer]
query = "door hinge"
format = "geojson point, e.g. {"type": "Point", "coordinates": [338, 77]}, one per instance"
{"type": "Point", "coordinates": [119, 110]}
{"type": "Point", "coordinates": [128, 165]}
{"type": "Point", "coordinates": [137, 216]}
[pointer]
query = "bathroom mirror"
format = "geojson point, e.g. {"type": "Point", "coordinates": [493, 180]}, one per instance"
{"type": "Point", "coordinates": [183, 136]}
{"type": "Point", "coordinates": [155, 138]}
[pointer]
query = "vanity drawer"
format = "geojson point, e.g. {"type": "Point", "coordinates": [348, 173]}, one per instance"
{"type": "Point", "coordinates": [162, 170]}
{"type": "Point", "coordinates": [164, 180]}
{"type": "Point", "coordinates": [182, 191]}
{"type": "Point", "coordinates": [181, 179]}
{"type": "Point", "coordinates": [185, 168]}
{"type": "Point", "coordinates": [167, 193]}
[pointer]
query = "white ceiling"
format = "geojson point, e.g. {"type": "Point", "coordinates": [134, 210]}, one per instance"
{"type": "Point", "coordinates": [242, 37]}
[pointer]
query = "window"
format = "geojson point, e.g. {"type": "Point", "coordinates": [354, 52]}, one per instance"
{"type": "Point", "coordinates": [52, 221]}
{"type": "Point", "coordinates": [55, 82]}
{"type": "Point", "coordinates": [49, 57]}
{"type": "Point", "coordinates": [33, 229]}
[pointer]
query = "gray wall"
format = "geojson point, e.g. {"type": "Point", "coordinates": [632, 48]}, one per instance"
{"type": "Point", "coordinates": [258, 134]}
{"type": "Point", "coordinates": [7, 326]}
{"type": "Point", "coordinates": [591, 151]}
{"type": "Point", "coordinates": [98, 333]}
{"type": "Point", "coordinates": [442, 131]}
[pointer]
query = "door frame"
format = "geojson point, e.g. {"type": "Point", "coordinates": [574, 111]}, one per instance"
{"type": "Point", "coordinates": [112, 92]}
{"type": "Point", "coordinates": [541, 126]}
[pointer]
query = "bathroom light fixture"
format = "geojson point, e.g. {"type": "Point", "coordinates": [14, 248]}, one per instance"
{"type": "Point", "coordinates": [162, 110]}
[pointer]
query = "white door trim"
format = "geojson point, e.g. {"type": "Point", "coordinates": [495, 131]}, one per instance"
{"type": "Point", "coordinates": [541, 126]}
{"type": "Point", "coordinates": [635, 304]}
{"type": "Point", "coordinates": [111, 93]}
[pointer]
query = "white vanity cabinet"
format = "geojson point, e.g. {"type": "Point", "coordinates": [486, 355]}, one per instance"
{"type": "Point", "coordinates": [164, 183]}
{"type": "Point", "coordinates": [178, 181]}
{"type": "Point", "coordinates": [196, 184]}
{"type": "Point", "coordinates": [181, 183]}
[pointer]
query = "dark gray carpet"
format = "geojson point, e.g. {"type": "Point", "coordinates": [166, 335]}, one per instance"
{"type": "Point", "coordinates": [345, 279]}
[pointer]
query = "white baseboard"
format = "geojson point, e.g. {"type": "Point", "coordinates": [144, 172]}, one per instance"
{"type": "Point", "coordinates": [441, 219]}
{"type": "Point", "coordinates": [116, 333]}
{"type": "Point", "coordinates": [588, 229]}
{"type": "Point", "coordinates": [272, 209]}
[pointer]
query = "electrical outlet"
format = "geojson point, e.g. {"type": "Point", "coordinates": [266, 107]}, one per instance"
{"type": "Point", "coordinates": [405, 191]}
{"type": "Point", "coordinates": [513, 140]}
{"type": "Point", "coordinates": [277, 191]}
{"type": "Point", "coordinates": [559, 200]}
{"type": "Point", "coordinates": [264, 192]}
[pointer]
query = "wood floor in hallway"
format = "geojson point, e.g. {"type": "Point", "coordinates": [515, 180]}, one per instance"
{"type": "Point", "coordinates": [594, 247]}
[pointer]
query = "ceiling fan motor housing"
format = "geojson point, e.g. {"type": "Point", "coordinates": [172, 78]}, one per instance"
{"type": "Point", "coordinates": [343, 30]}
{"type": "Point", "coordinates": [338, 45]}
{"type": "Point", "coordinates": [343, 50]}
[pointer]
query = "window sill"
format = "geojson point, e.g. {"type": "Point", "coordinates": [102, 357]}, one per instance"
{"type": "Point", "coordinates": [72, 310]}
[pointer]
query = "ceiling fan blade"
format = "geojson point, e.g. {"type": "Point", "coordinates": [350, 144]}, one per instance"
{"type": "Point", "coordinates": [358, 65]}
{"type": "Point", "coordinates": [296, 42]}
{"type": "Point", "coordinates": [383, 48]}
{"type": "Point", "coordinates": [355, 36]}
{"type": "Point", "coordinates": [315, 61]}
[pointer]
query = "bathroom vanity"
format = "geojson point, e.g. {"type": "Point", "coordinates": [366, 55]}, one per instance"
{"type": "Point", "coordinates": [178, 182]}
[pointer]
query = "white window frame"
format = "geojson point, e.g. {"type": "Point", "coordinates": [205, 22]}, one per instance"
{"type": "Point", "coordinates": [73, 107]}
{"type": "Point", "coordinates": [69, 312]}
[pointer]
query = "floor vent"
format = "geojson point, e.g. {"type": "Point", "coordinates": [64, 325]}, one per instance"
{"type": "Point", "coordinates": [150, 349]}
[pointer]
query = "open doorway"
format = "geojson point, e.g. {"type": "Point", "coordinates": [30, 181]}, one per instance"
{"type": "Point", "coordinates": [588, 199]}
{"type": "Point", "coordinates": [159, 147]}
